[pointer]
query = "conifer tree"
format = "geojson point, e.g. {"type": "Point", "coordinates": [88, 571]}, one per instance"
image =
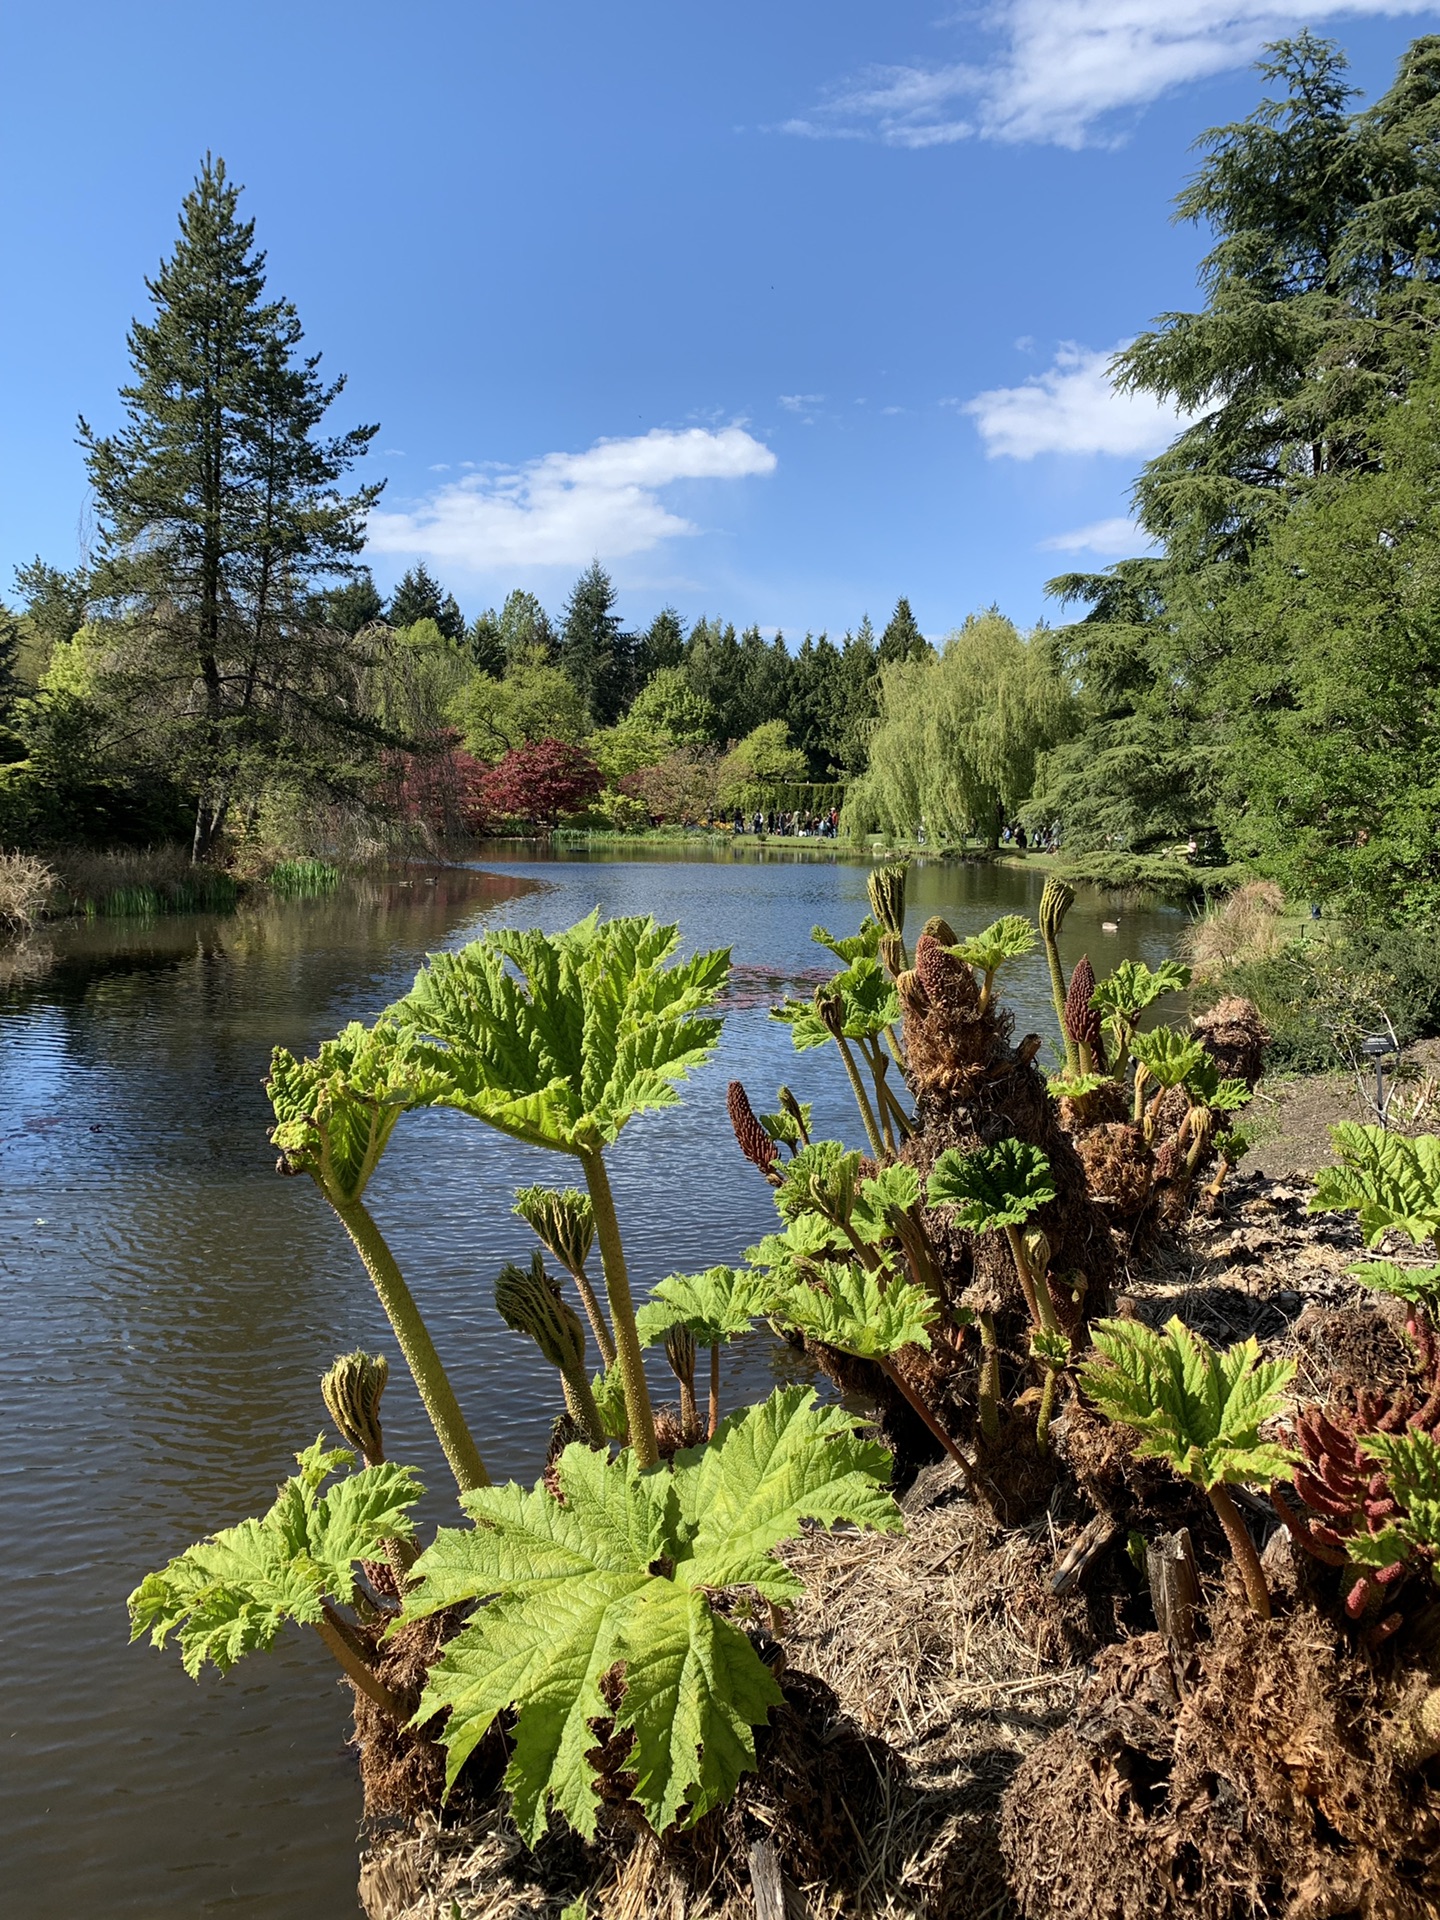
{"type": "Point", "coordinates": [420, 596]}
{"type": "Point", "coordinates": [356, 603]}
{"type": "Point", "coordinates": [594, 651]}
{"type": "Point", "coordinates": [527, 632]}
{"type": "Point", "coordinates": [902, 638]}
{"type": "Point", "coordinates": [219, 511]}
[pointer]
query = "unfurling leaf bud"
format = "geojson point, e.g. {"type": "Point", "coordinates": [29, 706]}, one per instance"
{"type": "Point", "coordinates": [756, 1145]}
{"type": "Point", "coordinates": [1037, 1251]}
{"type": "Point", "coordinates": [351, 1391]}
{"type": "Point", "coordinates": [792, 1106]}
{"type": "Point", "coordinates": [938, 929]}
{"type": "Point", "coordinates": [562, 1222]}
{"type": "Point", "coordinates": [532, 1303]}
{"type": "Point", "coordinates": [680, 1352]}
{"type": "Point", "coordinates": [886, 887]}
{"type": "Point", "coordinates": [892, 954]}
{"type": "Point", "coordinates": [830, 1009]}
{"type": "Point", "coordinates": [1055, 902]}
{"type": "Point", "coordinates": [1082, 1021]}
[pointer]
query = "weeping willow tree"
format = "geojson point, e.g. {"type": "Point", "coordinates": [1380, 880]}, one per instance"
{"type": "Point", "coordinates": [953, 751]}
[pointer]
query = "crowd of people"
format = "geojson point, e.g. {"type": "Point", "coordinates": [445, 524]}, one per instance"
{"type": "Point", "coordinates": [823, 826]}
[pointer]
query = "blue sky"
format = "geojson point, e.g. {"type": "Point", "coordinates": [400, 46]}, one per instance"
{"type": "Point", "coordinates": [781, 309]}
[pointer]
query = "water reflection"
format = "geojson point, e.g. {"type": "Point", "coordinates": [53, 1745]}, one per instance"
{"type": "Point", "coordinates": [167, 1307]}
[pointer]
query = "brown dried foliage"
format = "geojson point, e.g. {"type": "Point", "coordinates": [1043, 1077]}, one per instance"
{"type": "Point", "coordinates": [1269, 1785]}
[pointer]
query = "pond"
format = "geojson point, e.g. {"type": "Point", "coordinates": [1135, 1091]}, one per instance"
{"type": "Point", "coordinates": [167, 1306]}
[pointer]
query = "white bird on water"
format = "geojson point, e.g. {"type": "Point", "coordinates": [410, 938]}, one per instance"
{"type": "Point", "coordinates": [1110, 926]}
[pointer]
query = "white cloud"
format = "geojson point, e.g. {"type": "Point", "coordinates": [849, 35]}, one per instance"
{"type": "Point", "coordinates": [801, 402]}
{"type": "Point", "coordinates": [563, 508]}
{"type": "Point", "coordinates": [1114, 539]}
{"type": "Point", "coordinates": [1071, 408]}
{"type": "Point", "coordinates": [1063, 65]}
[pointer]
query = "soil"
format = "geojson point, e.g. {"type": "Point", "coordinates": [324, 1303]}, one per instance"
{"type": "Point", "coordinates": [975, 1730]}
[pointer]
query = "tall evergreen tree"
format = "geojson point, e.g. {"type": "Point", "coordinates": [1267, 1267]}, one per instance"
{"type": "Point", "coordinates": [219, 511]}
{"type": "Point", "coordinates": [420, 596]}
{"type": "Point", "coordinates": [594, 650]}
{"type": "Point", "coordinates": [661, 645]}
{"type": "Point", "coordinates": [354, 604]}
{"type": "Point", "coordinates": [486, 641]}
{"type": "Point", "coordinates": [902, 638]}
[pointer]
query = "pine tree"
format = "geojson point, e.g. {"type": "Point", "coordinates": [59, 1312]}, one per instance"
{"type": "Point", "coordinates": [902, 638]}
{"type": "Point", "coordinates": [661, 645]}
{"type": "Point", "coordinates": [420, 596]}
{"type": "Point", "coordinates": [219, 511]}
{"type": "Point", "coordinates": [354, 604]}
{"type": "Point", "coordinates": [486, 641]}
{"type": "Point", "coordinates": [594, 651]}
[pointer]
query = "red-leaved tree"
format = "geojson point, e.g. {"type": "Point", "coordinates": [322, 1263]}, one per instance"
{"type": "Point", "coordinates": [540, 782]}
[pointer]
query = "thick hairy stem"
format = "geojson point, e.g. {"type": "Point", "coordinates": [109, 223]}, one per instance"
{"type": "Point", "coordinates": [1036, 1289]}
{"type": "Point", "coordinates": [689, 1412]}
{"type": "Point", "coordinates": [889, 1104]}
{"type": "Point", "coordinates": [1057, 994]}
{"type": "Point", "coordinates": [622, 1310]}
{"type": "Point", "coordinates": [989, 1378]}
{"type": "Point", "coordinates": [916, 1245]}
{"type": "Point", "coordinates": [714, 1390]}
{"type": "Point", "coordinates": [330, 1630]}
{"type": "Point", "coordinates": [862, 1099]}
{"type": "Point", "coordinates": [416, 1345]}
{"type": "Point", "coordinates": [580, 1399]}
{"type": "Point", "coordinates": [1047, 1407]}
{"type": "Point", "coordinates": [898, 1380]}
{"type": "Point", "coordinates": [1243, 1548]}
{"type": "Point", "coordinates": [594, 1315]}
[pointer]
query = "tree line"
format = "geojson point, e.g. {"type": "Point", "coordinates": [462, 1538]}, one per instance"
{"type": "Point", "coordinates": [224, 665]}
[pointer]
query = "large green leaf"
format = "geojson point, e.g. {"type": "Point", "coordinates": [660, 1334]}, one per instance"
{"type": "Point", "coordinates": [1420, 1286]}
{"type": "Point", "coordinates": [615, 1576]}
{"type": "Point", "coordinates": [885, 1195]}
{"type": "Point", "coordinates": [1168, 1056]}
{"type": "Point", "coordinates": [1124, 994]}
{"type": "Point", "coordinates": [1198, 1409]}
{"type": "Point", "coordinates": [558, 1039]}
{"type": "Point", "coordinates": [863, 945]}
{"type": "Point", "coordinates": [821, 1178]}
{"type": "Point", "coordinates": [867, 996]}
{"type": "Point", "coordinates": [716, 1305]}
{"type": "Point", "coordinates": [334, 1114]}
{"type": "Point", "coordinates": [230, 1595]}
{"type": "Point", "coordinates": [858, 1311]}
{"type": "Point", "coordinates": [1009, 938]}
{"type": "Point", "coordinates": [1411, 1465]}
{"type": "Point", "coordinates": [1391, 1182]}
{"type": "Point", "coordinates": [999, 1186]}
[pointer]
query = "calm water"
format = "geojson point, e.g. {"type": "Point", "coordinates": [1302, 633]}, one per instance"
{"type": "Point", "coordinates": [167, 1305]}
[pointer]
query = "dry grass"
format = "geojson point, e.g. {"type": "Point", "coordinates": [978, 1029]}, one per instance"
{"type": "Point", "coordinates": [26, 885]}
{"type": "Point", "coordinates": [1247, 927]}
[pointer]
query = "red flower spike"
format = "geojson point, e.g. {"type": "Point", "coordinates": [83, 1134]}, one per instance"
{"type": "Point", "coordinates": [756, 1145]}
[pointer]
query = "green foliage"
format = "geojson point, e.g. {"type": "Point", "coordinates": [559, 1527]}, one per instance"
{"type": "Point", "coordinates": [1122, 996]}
{"type": "Point", "coordinates": [608, 1389]}
{"type": "Point", "coordinates": [335, 1113]}
{"type": "Point", "coordinates": [1420, 1286]}
{"type": "Point", "coordinates": [885, 1195]}
{"type": "Point", "coordinates": [847, 948]}
{"type": "Point", "coordinates": [563, 1222]}
{"type": "Point", "coordinates": [1392, 1183]}
{"type": "Point", "coordinates": [1009, 938]}
{"type": "Point", "coordinates": [1410, 1463]}
{"type": "Point", "coordinates": [716, 1306]}
{"type": "Point", "coordinates": [303, 879]}
{"type": "Point", "coordinates": [785, 1127]}
{"type": "Point", "coordinates": [955, 745]}
{"type": "Point", "coordinates": [230, 1595]}
{"type": "Point", "coordinates": [994, 1187]}
{"type": "Point", "coordinates": [559, 1039]}
{"type": "Point", "coordinates": [860, 1312]}
{"type": "Point", "coordinates": [620, 1574]}
{"type": "Point", "coordinates": [1168, 1056]}
{"type": "Point", "coordinates": [867, 996]}
{"type": "Point", "coordinates": [1209, 1088]}
{"type": "Point", "coordinates": [821, 1179]}
{"type": "Point", "coordinates": [1198, 1410]}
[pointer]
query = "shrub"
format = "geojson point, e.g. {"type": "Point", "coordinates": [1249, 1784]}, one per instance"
{"type": "Point", "coordinates": [26, 884]}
